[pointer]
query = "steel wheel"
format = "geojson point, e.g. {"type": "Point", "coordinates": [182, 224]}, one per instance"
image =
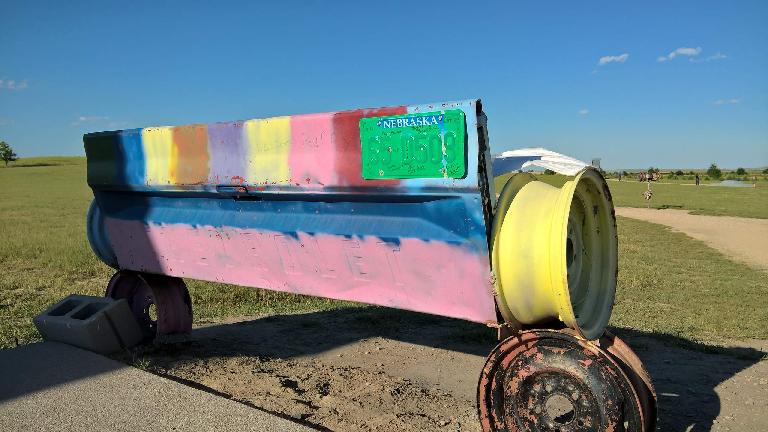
{"type": "Point", "coordinates": [161, 304]}
{"type": "Point", "coordinates": [637, 374]}
{"type": "Point", "coordinates": [553, 381]}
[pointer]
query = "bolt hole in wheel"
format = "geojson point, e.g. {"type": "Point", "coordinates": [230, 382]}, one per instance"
{"type": "Point", "coordinates": [560, 409]}
{"type": "Point", "coordinates": [151, 313]}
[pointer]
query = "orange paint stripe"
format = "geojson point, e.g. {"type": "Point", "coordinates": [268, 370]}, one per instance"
{"type": "Point", "coordinates": [192, 157]}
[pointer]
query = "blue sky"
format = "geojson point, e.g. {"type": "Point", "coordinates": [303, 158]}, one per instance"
{"type": "Point", "coordinates": [68, 68]}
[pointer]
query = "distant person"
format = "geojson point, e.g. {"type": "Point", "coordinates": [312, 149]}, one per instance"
{"type": "Point", "coordinates": [619, 175]}
{"type": "Point", "coordinates": [698, 179]}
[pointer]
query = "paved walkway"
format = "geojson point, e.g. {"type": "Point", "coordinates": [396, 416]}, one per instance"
{"type": "Point", "coordinates": [53, 387]}
{"type": "Point", "coordinates": [745, 239]}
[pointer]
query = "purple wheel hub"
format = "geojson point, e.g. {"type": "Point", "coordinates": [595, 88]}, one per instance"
{"type": "Point", "coordinates": [168, 296]}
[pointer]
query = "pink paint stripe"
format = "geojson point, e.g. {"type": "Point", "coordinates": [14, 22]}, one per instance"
{"type": "Point", "coordinates": [432, 277]}
{"type": "Point", "coordinates": [313, 155]}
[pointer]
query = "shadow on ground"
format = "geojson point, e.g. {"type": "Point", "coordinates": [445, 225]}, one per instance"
{"type": "Point", "coordinates": [36, 367]}
{"type": "Point", "coordinates": [685, 374]}
{"type": "Point", "coordinates": [688, 376]}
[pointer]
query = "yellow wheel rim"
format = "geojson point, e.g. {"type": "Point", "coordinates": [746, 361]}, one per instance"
{"type": "Point", "coordinates": [555, 252]}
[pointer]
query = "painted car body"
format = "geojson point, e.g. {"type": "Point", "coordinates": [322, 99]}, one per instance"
{"type": "Point", "coordinates": [281, 204]}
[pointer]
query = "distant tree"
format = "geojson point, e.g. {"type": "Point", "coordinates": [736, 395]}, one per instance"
{"type": "Point", "coordinates": [549, 172]}
{"type": "Point", "coordinates": [679, 173]}
{"type": "Point", "coordinates": [741, 171]}
{"type": "Point", "coordinates": [6, 153]}
{"type": "Point", "coordinates": [765, 171]}
{"type": "Point", "coordinates": [624, 173]}
{"type": "Point", "coordinates": [653, 170]}
{"type": "Point", "coordinates": [714, 172]}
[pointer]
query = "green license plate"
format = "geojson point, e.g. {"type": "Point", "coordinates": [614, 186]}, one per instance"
{"type": "Point", "coordinates": [424, 145]}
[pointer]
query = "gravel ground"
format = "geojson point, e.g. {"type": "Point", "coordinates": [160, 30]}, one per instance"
{"type": "Point", "coordinates": [743, 239]}
{"type": "Point", "coordinates": [376, 369]}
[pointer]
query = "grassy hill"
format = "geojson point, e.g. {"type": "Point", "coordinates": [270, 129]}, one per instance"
{"type": "Point", "coordinates": [668, 283]}
{"type": "Point", "coordinates": [710, 200]}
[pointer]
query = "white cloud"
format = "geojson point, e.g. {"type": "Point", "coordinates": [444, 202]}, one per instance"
{"type": "Point", "coordinates": [604, 60]}
{"type": "Point", "coordinates": [717, 56]}
{"type": "Point", "coordinates": [583, 111]}
{"type": "Point", "coordinates": [13, 84]}
{"type": "Point", "coordinates": [686, 51]}
{"type": "Point", "coordinates": [682, 51]}
{"type": "Point", "coordinates": [101, 121]}
{"type": "Point", "coordinates": [89, 119]}
{"type": "Point", "coordinates": [731, 101]}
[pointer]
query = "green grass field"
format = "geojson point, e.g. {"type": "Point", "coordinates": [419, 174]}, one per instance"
{"type": "Point", "coordinates": [44, 254]}
{"type": "Point", "coordinates": [708, 200]}
{"type": "Point", "coordinates": [668, 283]}
{"type": "Point", "coordinates": [47, 161]}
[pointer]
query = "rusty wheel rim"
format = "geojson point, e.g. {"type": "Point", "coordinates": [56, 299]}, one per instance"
{"type": "Point", "coordinates": [633, 367]}
{"type": "Point", "coordinates": [160, 304]}
{"type": "Point", "coordinates": [552, 381]}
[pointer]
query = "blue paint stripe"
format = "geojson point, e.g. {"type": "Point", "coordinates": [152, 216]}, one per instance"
{"type": "Point", "coordinates": [450, 219]}
{"type": "Point", "coordinates": [133, 168]}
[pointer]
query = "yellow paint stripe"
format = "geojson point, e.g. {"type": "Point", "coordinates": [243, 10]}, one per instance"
{"type": "Point", "coordinates": [160, 155]}
{"type": "Point", "coordinates": [269, 146]}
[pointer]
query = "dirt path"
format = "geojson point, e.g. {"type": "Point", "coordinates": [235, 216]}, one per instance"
{"type": "Point", "coordinates": [377, 369]}
{"type": "Point", "coordinates": [744, 239]}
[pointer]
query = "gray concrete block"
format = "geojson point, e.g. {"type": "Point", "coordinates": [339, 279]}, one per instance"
{"type": "Point", "coordinates": [97, 324]}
